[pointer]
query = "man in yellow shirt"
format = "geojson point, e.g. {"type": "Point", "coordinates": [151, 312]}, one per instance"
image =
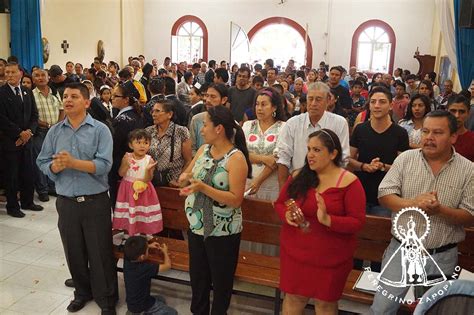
{"type": "Point", "coordinates": [125, 75]}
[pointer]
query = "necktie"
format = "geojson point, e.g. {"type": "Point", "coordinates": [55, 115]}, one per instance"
{"type": "Point", "coordinates": [17, 92]}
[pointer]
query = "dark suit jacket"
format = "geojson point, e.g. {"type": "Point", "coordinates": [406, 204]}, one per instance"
{"type": "Point", "coordinates": [16, 116]}
{"type": "Point", "coordinates": [180, 115]}
{"type": "Point", "coordinates": [122, 125]}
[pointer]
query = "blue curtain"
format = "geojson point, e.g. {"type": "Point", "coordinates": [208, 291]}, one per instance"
{"type": "Point", "coordinates": [464, 49]}
{"type": "Point", "coordinates": [25, 32]}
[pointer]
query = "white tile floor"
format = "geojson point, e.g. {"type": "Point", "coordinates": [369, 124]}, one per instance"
{"type": "Point", "coordinates": [33, 270]}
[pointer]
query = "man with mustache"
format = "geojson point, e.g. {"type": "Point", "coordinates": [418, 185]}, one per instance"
{"type": "Point", "coordinates": [439, 181]}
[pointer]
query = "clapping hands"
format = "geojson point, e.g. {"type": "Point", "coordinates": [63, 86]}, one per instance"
{"type": "Point", "coordinates": [374, 166]}
{"type": "Point", "coordinates": [322, 214]}
{"type": "Point", "coordinates": [194, 186]}
{"type": "Point", "coordinates": [428, 202]}
{"type": "Point", "coordinates": [61, 161]}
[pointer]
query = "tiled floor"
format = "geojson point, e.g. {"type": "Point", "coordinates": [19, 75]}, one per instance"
{"type": "Point", "coordinates": [33, 270]}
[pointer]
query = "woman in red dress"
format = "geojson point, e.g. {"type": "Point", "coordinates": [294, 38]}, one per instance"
{"type": "Point", "coordinates": [316, 261]}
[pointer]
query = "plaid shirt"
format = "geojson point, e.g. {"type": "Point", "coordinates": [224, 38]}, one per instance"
{"type": "Point", "coordinates": [48, 106]}
{"type": "Point", "coordinates": [410, 176]}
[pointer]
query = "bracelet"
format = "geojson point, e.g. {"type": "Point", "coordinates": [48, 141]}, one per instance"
{"type": "Point", "coordinates": [362, 167]}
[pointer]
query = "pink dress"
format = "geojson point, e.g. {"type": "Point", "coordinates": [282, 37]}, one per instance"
{"type": "Point", "coordinates": [144, 214]}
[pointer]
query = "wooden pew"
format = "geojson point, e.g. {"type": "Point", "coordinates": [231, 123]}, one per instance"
{"type": "Point", "coordinates": [261, 224]}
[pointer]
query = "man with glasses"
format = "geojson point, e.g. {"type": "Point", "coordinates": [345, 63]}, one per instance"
{"type": "Point", "coordinates": [459, 106]}
{"type": "Point", "coordinates": [242, 95]}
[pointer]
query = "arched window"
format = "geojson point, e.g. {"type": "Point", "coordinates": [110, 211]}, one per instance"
{"type": "Point", "coordinates": [281, 39]}
{"type": "Point", "coordinates": [373, 47]}
{"type": "Point", "coordinates": [188, 39]}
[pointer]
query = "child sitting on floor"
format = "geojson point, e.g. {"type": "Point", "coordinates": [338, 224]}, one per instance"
{"type": "Point", "coordinates": [138, 274]}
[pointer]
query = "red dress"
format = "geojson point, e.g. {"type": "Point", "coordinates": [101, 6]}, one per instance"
{"type": "Point", "coordinates": [316, 264]}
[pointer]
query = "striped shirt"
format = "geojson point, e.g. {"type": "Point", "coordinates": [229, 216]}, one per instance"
{"type": "Point", "coordinates": [48, 106]}
{"type": "Point", "coordinates": [411, 175]}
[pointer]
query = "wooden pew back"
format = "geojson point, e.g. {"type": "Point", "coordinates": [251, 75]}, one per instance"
{"type": "Point", "coordinates": [261, 223]}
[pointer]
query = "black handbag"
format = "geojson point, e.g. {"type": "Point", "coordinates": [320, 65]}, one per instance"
{"type": "Point", "coordinates": [163, 177]}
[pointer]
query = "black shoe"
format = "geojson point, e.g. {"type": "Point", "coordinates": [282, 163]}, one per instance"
{"type": "Point", "coordinates": [108, 311]}
{"type": "Point", "coordinates": [77, 305]}
{"type": "Point", "coordinates": [52, 193]}
{"type": "Point", "coordinates": [16, 213]}
{"type": "Point", "coordinates": [43, 197]}
{"type": "Point", "coordinates": [69, 283]}
{"type": "Point", "coordinates": [33, 207]}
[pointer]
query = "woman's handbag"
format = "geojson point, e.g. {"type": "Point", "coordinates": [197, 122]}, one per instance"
{"type": "Point", "coordinates": [163, 177]}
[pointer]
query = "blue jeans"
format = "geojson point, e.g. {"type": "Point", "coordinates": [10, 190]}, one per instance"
{"type": "Point", "coordinates": [384, 300]}
{"type": "Point", "coordinates": [159, 308]}
{"type": "Point", "coordinates": [377, 210]}
{"type": "Point", "coordinates": [42, 182]}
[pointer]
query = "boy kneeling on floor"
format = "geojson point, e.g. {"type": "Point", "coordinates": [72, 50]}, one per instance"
{"type": "Point", "coordinates": [138, 274]}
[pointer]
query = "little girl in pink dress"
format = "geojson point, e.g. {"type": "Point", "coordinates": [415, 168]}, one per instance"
{"type": "Point", "coordinates": [137, 209]}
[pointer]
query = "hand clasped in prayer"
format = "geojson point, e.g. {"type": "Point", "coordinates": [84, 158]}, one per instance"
{"type": "Point", "coordinates": [61, 161]}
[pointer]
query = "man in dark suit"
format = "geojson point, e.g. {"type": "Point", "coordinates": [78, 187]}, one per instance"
{"type": "Point", "coordinates": [180, 115]}
{"type": "Point", "coordinates": [18, 123]}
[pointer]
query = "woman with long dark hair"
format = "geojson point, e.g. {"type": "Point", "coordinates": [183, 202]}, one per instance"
{"type": "Point", "coordinates": [426, 88]}
{"type": "Point", "coordinates": [322, 208]}
{"type": "Point", "coordinates": [215, 182]}
{"type": "Point", "coordinates": [417, 109]}
{"type": "Point", "coordinates": [129, 117]}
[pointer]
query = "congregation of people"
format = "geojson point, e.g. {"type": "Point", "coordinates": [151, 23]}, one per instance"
{"type": "Point", "coordinates": [327, 145]}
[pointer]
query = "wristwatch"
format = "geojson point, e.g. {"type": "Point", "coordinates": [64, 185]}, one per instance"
{"type": "Point", "coordinates": [383, 167]}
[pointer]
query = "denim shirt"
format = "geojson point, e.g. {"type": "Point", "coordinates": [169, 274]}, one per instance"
{"type": "Point", "coordinates": [91, 141]}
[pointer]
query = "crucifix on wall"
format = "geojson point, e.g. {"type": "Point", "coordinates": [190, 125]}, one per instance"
{"type": "Point", "coordinates": [65, 46]}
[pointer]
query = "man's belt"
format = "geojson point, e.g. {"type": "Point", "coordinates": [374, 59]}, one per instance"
{"type": "Point", "coordinates": [438, 250]}
{"type": "Point", "coordinates": [83, 198]}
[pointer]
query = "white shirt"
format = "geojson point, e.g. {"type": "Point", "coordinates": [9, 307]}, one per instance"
{"type": "Point", "coordinates": [14, 92]}
{"type": "Point", "coordinates": [293, 139]}
{"type": "Point", "coordinates": [123, 110]}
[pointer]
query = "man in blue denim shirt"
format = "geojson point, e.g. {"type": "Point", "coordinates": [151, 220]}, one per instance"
{"type": "Point", "coordinates": [77, 156]}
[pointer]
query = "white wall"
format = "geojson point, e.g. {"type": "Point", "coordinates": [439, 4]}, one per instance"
{"type": "Point", "coordinates": [132, 27]}
{"type": "Point", "coordinates": [4, 35]}
{"type": "Point", "coordinates": [411, 20]}
{"type": "Point", "coordinates": [118, 23]}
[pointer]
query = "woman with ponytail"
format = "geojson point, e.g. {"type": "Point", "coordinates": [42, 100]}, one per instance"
{"type": "Point", "coordinates": [322, 208]}
{"type": "Point", "coordinates": [129, 117]}
{"type": "Point", "coordinates": [214, 185]}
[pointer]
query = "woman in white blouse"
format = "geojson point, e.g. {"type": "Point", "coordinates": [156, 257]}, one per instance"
{"type": "Point", "coordinates": [261, 136]}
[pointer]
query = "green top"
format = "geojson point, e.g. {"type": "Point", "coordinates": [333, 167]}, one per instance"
{"type": "Point", "coordinates": [227, 220]}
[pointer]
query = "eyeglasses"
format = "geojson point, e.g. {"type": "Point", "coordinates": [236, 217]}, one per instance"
{"type": "Point", "coordinates": [120, 96]}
